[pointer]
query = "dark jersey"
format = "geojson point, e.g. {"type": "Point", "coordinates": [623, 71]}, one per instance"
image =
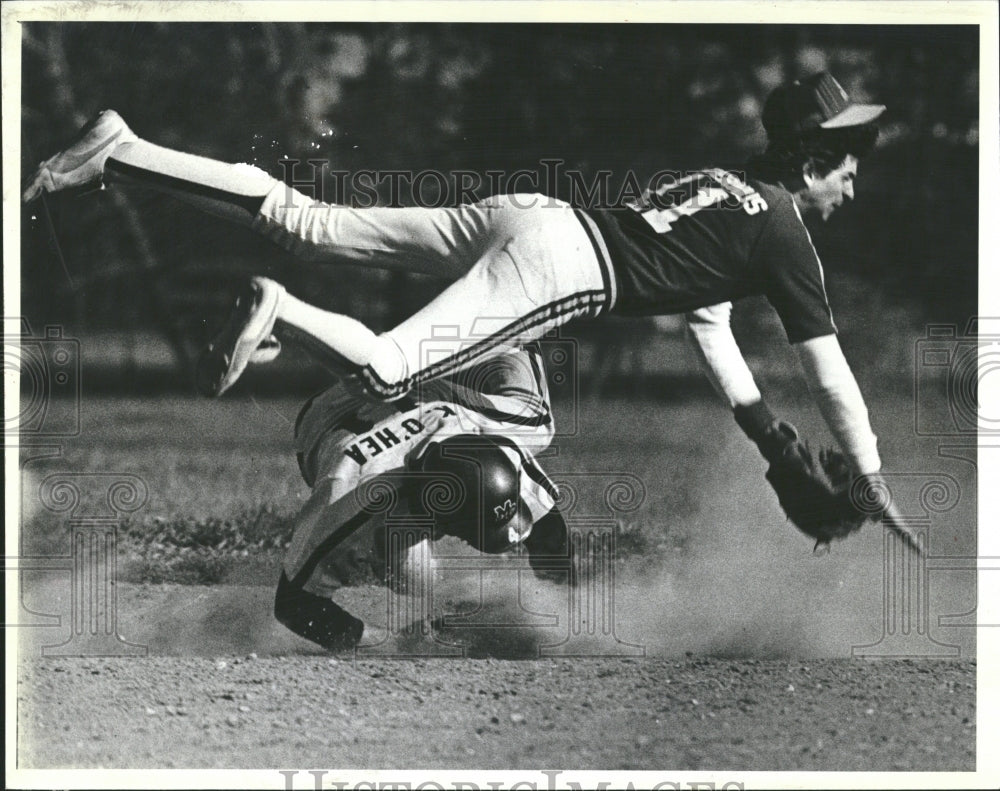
{"type": "Point", "coordinates": [711, 237]}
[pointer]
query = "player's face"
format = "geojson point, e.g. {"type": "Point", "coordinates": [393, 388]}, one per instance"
{"type": "Point", "coordinates": [824, 194]}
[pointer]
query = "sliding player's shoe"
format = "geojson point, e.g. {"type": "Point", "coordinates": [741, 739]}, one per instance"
{"type": "Point", "coordinates": [82, 163]}
{"type": "Point", "coordinates": [245, 339]}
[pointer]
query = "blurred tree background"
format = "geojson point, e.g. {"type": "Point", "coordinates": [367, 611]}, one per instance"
{"type": "Point", "coordinates": [622, 98]}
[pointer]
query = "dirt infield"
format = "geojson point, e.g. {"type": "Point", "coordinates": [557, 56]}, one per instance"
{"type": "Point", "coordinates": [311, 711]}
{"type": "Point", "coordinates": [203, 698]}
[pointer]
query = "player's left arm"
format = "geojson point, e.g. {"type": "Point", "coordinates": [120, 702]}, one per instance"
{"type": "Point", "coordinates": [818, 495]}
{"type": "Point", "coordinates": [836, 393]}
{"type": "Point", "coordinates": [829, 377]}
{"type": "Point", "coordinates": [833, 496]}
{"type": "Point", "coordinates": [815, 496]}
{"type": "Point", "coordinates": [788, 269]}
{"type": "Point", "coordinates": [316, 618]}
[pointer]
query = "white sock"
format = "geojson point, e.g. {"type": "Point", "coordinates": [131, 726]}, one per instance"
{"type": "Point", "coordinates": [346, 337]}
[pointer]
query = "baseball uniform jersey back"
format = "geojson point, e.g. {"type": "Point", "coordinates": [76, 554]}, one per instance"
{"type": "Point", "coordinates": [713, 237]}
{"type": "Point", "coordinates": [350, 449]}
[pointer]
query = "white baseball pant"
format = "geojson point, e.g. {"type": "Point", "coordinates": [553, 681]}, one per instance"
{"type": "Point", "coordinates": [522, 264]}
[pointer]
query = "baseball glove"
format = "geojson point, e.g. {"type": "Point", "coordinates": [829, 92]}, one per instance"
{"type": "Point", "coordinates": [814, 494]}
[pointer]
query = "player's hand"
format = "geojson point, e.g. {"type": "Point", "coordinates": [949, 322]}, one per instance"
{"type": "Point", "coordinates": [816, 493]}
{"type": "Point", "coordinates": [871, 493]}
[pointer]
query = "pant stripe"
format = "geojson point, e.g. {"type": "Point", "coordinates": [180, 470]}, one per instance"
{"type": "Point", "coordinates": [339, 535]}
{"type": "Point", "coordinates": [249, 203]}
{"type": "Point", "coordinates": [529, 421]}
{"type": "Point", "coordinates": [603, 257]}
{"type": "Point", "coordinates": [591, 300]}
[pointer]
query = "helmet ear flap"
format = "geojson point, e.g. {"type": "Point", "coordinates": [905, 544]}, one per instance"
{"type": "Point", "coordinates": [489, 483]}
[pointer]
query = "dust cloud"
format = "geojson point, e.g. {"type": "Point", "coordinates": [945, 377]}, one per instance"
{"type": "Point", "coordinates": [747, 585]}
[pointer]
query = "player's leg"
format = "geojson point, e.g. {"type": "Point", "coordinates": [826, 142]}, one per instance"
{"type": "Point", "coordinates": [82, 162]}
{"type": "Point", "coordinates": [107, 150]}
{"type": "Point", "coordinates": [264, 311]}
{"type": "Point", "coordinates": [549, 270]}
{"type": "Point", "coordinates": [443, 242]}
{"type": "Point", "coordinates": [323, 526]}
{"type": "Point", "coordinates": [384, 362]}
{"type": "Point", "coordinates": [316, 618]}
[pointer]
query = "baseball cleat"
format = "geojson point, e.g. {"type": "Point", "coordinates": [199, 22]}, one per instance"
{"type": "Point", "coordinates": [82, 163]}
{"type": "Point", "coordinates": [245, 339]}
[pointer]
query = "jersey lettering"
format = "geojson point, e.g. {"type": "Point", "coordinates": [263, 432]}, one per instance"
{"type": "Point", "coordinates": [371, 445]}
{"type": "Point", "coordinates": [715, 186]}
{"type": "Point", "coordinates": [662, 220]}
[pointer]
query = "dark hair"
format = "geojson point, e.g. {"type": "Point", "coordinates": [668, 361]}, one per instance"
{"type": "Point", "coordinates": [823, 150]}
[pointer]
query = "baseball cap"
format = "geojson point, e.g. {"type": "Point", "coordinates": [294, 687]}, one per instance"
{"type": "Point", "coordinates": [817, 102]}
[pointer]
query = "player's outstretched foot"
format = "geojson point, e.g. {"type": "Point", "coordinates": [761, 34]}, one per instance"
{"type": "Point", "coordinates": [245, 339]}
{"type": "Point", "coordinates": [82, 162]}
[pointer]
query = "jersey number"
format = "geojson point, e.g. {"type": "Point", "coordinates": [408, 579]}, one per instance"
{"type": "Point", "coordinates": [724, 186]}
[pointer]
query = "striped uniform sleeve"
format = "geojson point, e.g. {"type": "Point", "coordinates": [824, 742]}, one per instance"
{"type": "Point", "coordinates": [793, 275]}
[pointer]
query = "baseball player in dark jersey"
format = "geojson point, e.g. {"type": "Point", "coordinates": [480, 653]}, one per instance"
{"type": "Point", "coordinates": [524, 264]}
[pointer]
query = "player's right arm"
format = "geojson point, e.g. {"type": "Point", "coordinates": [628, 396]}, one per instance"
{"type": "Point", "coordinates": [711, 337]}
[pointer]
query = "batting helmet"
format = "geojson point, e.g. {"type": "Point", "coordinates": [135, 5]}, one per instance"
{"type": "Point", "coordinates": [484, 485]}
